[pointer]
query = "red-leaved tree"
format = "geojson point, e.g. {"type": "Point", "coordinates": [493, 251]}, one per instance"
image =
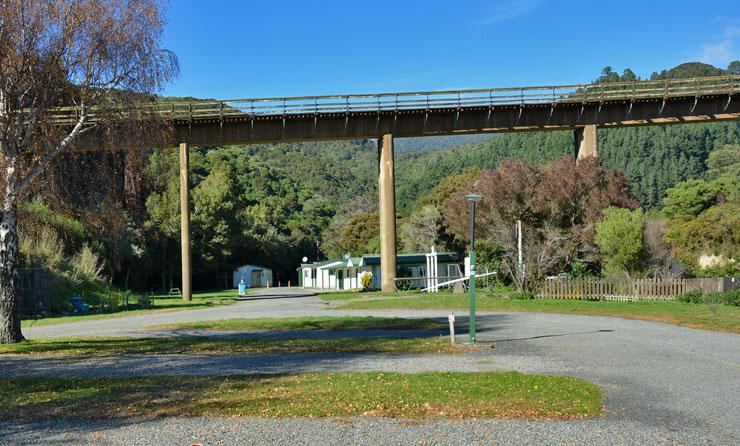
{"type": "Point", "coordinates": [558, 206]}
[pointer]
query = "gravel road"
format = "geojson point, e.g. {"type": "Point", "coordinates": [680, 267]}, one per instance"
{"type": "Point", "coordinates": [663, 384]}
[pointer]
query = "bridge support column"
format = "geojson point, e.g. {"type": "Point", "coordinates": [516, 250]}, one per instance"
{"type": "Point", "coordinates": [187, 293]}
{"type": "Point", "coordinates": [586, 142]}
{"type": "Point", "coordinates": [387, 211]}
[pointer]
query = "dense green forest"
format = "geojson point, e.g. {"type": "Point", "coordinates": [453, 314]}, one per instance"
{"type": "Point", "coordinates": [274, 204]}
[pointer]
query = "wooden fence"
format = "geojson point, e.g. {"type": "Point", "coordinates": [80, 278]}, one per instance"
{"type": "Point", "coordinates": [34, 286]}
{"type": "Point", "coordinates": [629, 290]}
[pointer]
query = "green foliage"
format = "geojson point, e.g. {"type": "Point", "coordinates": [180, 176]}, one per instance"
{"type": "Point", "coordinates": [688, 199]}
{"type": "Point", "coordinates": [691, 297]}
{"type": "Point", "coordinates": [360, 234]}
{"type": "Point", "coordinates": [579, 270]}
{"type": "Point", "coordinates": [498, 287]}
{"type": "Point", "coordinates": [731, 298]}
{"type": "Point", "coordinates": [689, 70]}
{"type": "Point", "coordinates": [517, 295]}
{"type": "Point", "coordinates": [724, 161]}
{"type": "Point", "coordinates": [619, 237]}
{"type": "Point", "coordinates": [704, 217]}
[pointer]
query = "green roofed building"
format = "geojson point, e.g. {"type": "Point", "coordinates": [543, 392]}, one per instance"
{"type": "Point", "coordinates": [346, 273]}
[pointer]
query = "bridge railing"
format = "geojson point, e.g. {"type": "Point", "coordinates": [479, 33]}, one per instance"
{"type": "Point", "coordinates": [433, 100]}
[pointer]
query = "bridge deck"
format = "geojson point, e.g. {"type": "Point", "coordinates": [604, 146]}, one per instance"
{"type": "Point", "coordinates": [242, 121]}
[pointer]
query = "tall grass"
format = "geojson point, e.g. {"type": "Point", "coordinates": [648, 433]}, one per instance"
{"type": "Point", "coordinates": [44, 249]}
{"type": "Point", "coordinates": [86, 266]}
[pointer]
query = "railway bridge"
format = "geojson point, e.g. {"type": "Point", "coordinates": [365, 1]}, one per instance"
{"type": "Point", "coordinates": [582, 109]}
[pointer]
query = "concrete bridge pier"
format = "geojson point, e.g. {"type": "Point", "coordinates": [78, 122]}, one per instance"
{"type": "Point", "coordinates": [586, 142]}
{"type": "Point", "coordinates": [387, 211]}
{"type": "Point", "coordinates": [186, 289]}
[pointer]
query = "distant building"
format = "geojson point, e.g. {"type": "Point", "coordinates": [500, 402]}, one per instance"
{"type": "Point", "coordinates": [253, 275]}
{"type": "Point", "coordinates": [345, 274]}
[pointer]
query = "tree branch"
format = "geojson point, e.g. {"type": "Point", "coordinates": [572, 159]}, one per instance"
{"type": "Point", "coordinates": [43, 163]}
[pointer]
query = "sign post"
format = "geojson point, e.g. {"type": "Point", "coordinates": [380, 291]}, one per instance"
{"type": "Point", "coordinates": [451, 319]}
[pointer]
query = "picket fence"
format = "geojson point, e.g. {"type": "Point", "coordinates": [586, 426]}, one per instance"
{"type": "Point", "coordinates": [630, 290]}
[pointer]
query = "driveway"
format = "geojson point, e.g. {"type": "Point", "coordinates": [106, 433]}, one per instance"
{"type": "Point", "coordinates": [663, 384]}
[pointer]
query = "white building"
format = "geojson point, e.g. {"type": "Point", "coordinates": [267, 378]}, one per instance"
{"type": "Point", "coordinates": [346, 274]}
{"type": "Point", "coordinates": [253, 275]}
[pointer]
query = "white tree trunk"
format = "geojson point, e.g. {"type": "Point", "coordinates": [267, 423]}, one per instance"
{"type": "Point", "coordinates": [10, 308]}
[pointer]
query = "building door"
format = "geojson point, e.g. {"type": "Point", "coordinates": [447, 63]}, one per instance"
{"type": "Point", "coordinates": [340, 279]}
{"type": "Point", "coordinates": [256, 279]}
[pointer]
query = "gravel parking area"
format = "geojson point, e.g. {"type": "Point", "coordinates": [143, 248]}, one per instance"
{"type": "Point", "coordinates": [366, 431]}
{"type": "Point", "coordinates": [663, 384]}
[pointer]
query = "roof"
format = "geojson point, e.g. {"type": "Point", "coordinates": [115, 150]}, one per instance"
{"type": "Point", "coordinates": [317, 264]}
{"type": "Point", "coordinates": [374, 259]}
{"type": "Point", "coordinates": [443, 257]}
{"type": "Point", "coordinates": [253, 267]}
{"type": "Point", "coordinates": [352, 262]}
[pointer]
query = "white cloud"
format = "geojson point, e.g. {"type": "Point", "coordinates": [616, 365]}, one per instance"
{"type": "Point", "coordinates": [722, 50]}
{"type": "Point", "coordinates": [506, 10]}
{"type": "Point", "coordinates": [718, 54]}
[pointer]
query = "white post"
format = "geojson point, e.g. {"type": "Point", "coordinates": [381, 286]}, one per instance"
{"type": "Point", "coordinates": [429, 270]}
{"type": "Point", "coordinates": [433, 272]}
{"type": "Point", "coordinates": [519, 244]}
{"type": "Point", "coordinates": [451, 319]}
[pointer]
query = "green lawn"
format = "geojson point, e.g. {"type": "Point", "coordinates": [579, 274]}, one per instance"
{"type": "Point", "coordinates": [718, 318]}
{"type": "Point", "coordinates": [326, 323]}
{"type": "Point", "coordinates": [161, 303]}
{"type": "Point", "coordinates": [452, 395]}
{"type": "Point", "coordinates": [203, 345]}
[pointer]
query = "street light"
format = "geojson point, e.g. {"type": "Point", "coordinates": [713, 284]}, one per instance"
{"type": "Point", "coordinates": [473, 199]}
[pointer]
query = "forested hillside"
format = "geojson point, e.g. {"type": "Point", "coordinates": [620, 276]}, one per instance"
{"type": "Point", "coordinates": [274, 204]}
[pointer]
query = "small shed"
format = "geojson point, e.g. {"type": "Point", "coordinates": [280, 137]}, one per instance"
{"type": "Point", "coordinates": [254, 276]}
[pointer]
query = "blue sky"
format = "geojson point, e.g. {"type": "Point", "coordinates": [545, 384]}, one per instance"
{"type": "Point", "coordinates": [250, 48]}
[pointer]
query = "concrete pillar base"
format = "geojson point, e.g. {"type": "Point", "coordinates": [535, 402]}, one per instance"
{"type": "Point", "coordinates": [586, 142]}
{"type": "Point", "coordinates": [187, 293]}
{"type": "Point", "coordinates": [387, 211]}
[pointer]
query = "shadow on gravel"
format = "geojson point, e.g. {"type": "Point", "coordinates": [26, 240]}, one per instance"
{"type": "Point", "coordinates": [280, 335]}
{"type": "Point", "coordinates": [122, 366]}
{"type": "Point", "coordinates": [575, 333]}
{"type": "Point", "coordinates": [273, 296]}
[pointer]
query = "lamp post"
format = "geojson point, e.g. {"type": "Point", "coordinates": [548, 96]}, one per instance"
{"type": "Point", "coordinates": [473, 199]}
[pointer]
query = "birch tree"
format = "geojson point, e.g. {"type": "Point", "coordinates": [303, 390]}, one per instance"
{"type": "Point", "coordinates": [70, 70]}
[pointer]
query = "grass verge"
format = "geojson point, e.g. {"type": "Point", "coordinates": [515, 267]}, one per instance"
{"type": "Point", "coordinates": [451, 395]}
{"type": "Point", "coordinates": [325, 323]}
{"type": "Point", "coordinates": [710, 317]}
{"type": "Point", "coordinates": [160, 304]}
{"type": "Point", "coordinates": [204, 345]}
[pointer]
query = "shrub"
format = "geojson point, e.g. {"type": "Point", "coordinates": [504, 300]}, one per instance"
{"type": "Point", "coordinates": [500, 287]}
{"type": "Point", "coordinates": [86, 266]}
{"type": "Point", "coordinates": [521, 295]}
{"type": "Point", "coordinates": [366, 280]}
{"type": "Point", "coordinates": [731, 297]}
{"type": "Point", "coordinates": [691, 297]}
{"type": "Point", "coordinates": [579, 270]}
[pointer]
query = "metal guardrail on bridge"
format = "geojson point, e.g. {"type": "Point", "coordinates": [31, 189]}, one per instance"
{"type": "Point", "coordinates": [432, 100]}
